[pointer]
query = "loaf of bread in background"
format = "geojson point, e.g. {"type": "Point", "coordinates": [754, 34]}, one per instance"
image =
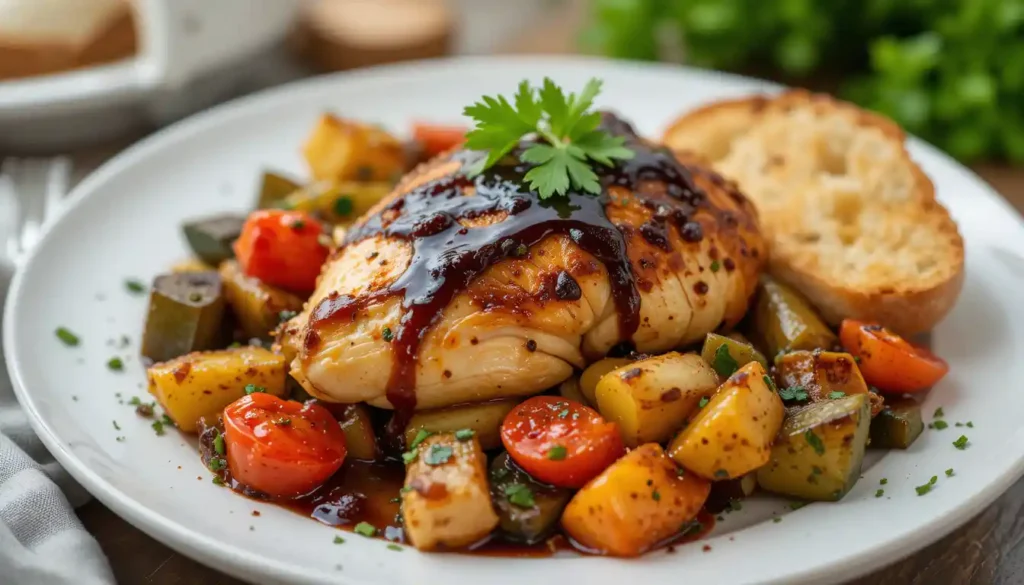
{"type": "Point", "coordinates": [851, 220]}
{"type": "Point", "coordinates": [39, 37]}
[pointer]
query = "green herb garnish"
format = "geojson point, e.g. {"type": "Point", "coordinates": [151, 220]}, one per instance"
{"type": "Point", "coordinates": [883, 481]}
{"type": "Point", "coordinates": [656, 496]}
{"type": "Point", "coordinates": [949, 472]}
{"type": "Point", "coordinates": [117, 427]}
{"type": "Point", "coordinates": [715, 266]}
{"type": "Point", "coordinates": [563, 413]}
{"type": "Point", "coordinates": [421, 436]}
{"type": "Point", "coordinates": [365, 528]}
{"type": "Point", "coordinates": [216, 464]}
{"type": "Point", "coordinates": [253, 388]}
{"type": "Point", "coordinates": [116, 364]}
{"type": "Point", "coordinates": [158, 427]}
{"type": "Point", "coordinates": [836, 395]}
{"type": "Point", "coordinates": [217, 480]}
{"type": "Point", "coordinates": [557, 453]}
{"type": "Point", "coordinates": [394, 547]}
{"type": "Point", "coordinates": [938, 413]}
{"type": "Point", "coordinates": [721, 473]}
{"type": "Point", "coordinates": [464, 434]}
{"type": "Point", "coordinates": [520, 495]}
{"type": "Point", "coordinates": [796, 505]}
{"type": "Point", "coordinates": [438, 455]}
{"type": "Point", "coordinates": [339, 540]}
{"type": "Point", "coordinates": [410, 456]}
{"type": "Point", "coordinates": [66, 336]}
{"type": "Point", "coordinates": [961, 443]}
{"type": "Point", "coordinates": [723, 362]}
{"type": "Point", "coordinates": [815, 442]}
{"type": "Point", "coordinates": [343, 206]}
{"type": "Point", "coordinates": [218, 444]}
{"type": "Point", "coordinates": [939, 425]}
{"type": "Point", "coordinates": [795, 393]}
{"type": "Point", "coordinates": [703, 402]}
{"type": "Point", "coordinates": [573, 140]}
{"type": "Point", "coordinates": [923, 489]}
{"type": "Point", "coordinates": [387, 335]}
{"type": "Point", "coordinates": [879, 493]}
{"type": "Point", "coordinates": [970, 425]}
{"type": "Point", "coordinates": [769, 383]}
{"type": "Point", "coordinates": [134, 286]}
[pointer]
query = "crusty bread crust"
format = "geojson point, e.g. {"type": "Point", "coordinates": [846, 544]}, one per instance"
{"type": "Point", "coordinates": [851, 219]}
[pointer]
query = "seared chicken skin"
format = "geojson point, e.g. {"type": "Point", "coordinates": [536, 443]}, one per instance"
{"type": "Point", "coordinates": [456, 290]}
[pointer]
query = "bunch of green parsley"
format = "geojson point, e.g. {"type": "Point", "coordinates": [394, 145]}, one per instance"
{"type": "Point", "coordinates": [950, 71]}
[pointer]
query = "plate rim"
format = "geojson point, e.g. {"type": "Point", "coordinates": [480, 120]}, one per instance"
{"type": "Point", "coordinates": [231, 558]}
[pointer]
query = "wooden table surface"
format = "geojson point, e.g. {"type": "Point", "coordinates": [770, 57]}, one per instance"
{"type": "Point", "coordinates": [987, 550]}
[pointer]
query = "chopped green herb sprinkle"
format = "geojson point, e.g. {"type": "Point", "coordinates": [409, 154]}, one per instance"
{"type": "Point", "coordinates": [520, 495]}
{"type": "Point", "coordinates": [135, 286]}
{"type": "Point", "coordinates": [218, 444]}
{"type": "Point", "coordinates": [796, 393]}
{"type": "Point", "coordinates": [856, 359]}
{"type": "Point", "coordinates": [721, 473]}
{"type": "Point", "coordinates": [464, 434]}
{"type": "Point", "coordinates": [286, 315]}
{"type": "Point", "coordinates": [410, 456]}
{"type": "Point", "coordinates": [438, 455]}
{"type": "Point", "coordinates": [938, 413]}
{"type": "Point", "coordinates": [970, 425]}
{"type": "Point", "coordinates": [703, 402]}
{"type": "Point", "coordinates": [298, 224]}
{"type": "Point", "coordinates": [735, 505]}
{"type": "Point", "coordinates": [421, 436]}
{"type": "Point", "coordinates": [158, 427]}
{"type": "Point", "coordinates": [339, 540]}
{"type": "Point", "coordinates": [836, 395]}
{"type": "Point", "coordinates": [796, 505]}
{"type": "Point", "coordinates": [883, 481]}
{"type": "Point", "coordinates": [343, 206]}
{"type": "Point", "coordinates": [405, 489]}
{"type": "Point", "coordinates": [933, 480]}
{"type": "Point", "coordinates": [815, 442]}
{"type": "Point", "coordinates": [168, 422]}
{"type": "Point", "coordinates": [387, 335]}
{"type": "Point", "coordinates": [939, 425]}
{"type": "Point", "coordinates": [723, 362]}
{"type": "Point", "coordinates": [923, 489]}
{"type": "Point", "coordinates": [961, 443]}
{"type": "Point", "coordinates": [217, 480]}
{"type": "Point", "coordinates": [680, 472]}
{"type": "Point", "coordinates": [253, 388]}
{"type": "Point", "coordinates": [715, 266]}
{"type": "Point", "coordinates": [563, 413]}
{"type": "Point", "coordinates": [499, 473]}
{"type": "Point", "coordinates": [120, 439]}
{"type": "Point", "coordinates": [949, 472]}
{"type": "Point", "coordinates": [770, 383]}
{"type": "Point", "coordinates": [365, 528]}
{"type": "Point", "coordinates": [117, 427]}
{"type": "Point", "coordinates": [394, 547]}
{"type": "Point", "coordinates": [116, 364]}
{"type": "Point", "coordinates": [879, 493]}
{"type": "Point", "coordinates": [777, 519]}
{"type": "Point", "coordinates": [66, 336]}
{"type": "Point", "coordinates": [283, 422]}
{"type": "Point", "coordinates": [656, 496]}
{"type": "Point", "coordinates": [958, 424]}
{"type": "Point", "coordinates": [216, 464]}
{"type": "Point", "coordinates": [557, 453]}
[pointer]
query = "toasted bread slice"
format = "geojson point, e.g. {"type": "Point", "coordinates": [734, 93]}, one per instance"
{"type": "Point", "coordinates": [851, 220]}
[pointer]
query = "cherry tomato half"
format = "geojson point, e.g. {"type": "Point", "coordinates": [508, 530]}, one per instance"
{"type": "Point", "coordinates": [888, 361]}
{"type": "Point", "coordinates": [560, 441]}
{"type": "Point", "coordinates": [438, 139]}
{"type": "Point", "coordinates": [281, 447]}
{"type": "Point", "coordinates": [282, 248]}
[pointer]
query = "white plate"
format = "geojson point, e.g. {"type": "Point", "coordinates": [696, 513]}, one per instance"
{"type": "Point", "coordinates": [124, 222]}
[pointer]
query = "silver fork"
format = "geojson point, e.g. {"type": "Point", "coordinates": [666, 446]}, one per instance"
{"type": "Point", "coordinates": [32, 194]}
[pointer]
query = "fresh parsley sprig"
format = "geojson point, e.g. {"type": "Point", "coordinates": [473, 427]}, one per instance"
{"type": "Point", "coordinates": [564, 123]}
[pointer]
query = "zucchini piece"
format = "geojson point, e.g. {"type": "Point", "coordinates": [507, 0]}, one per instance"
{"type": "Point", "coordinates": [339, 203]}
{"type": "Point", "coordinates": [785, 321]}
{"type": "Point", "coordinates": [185, 314]}
{"type": "Point", "coordinates": [650, 399]}
{"type": "Point", "coordinates": [724, 493]}
{"type": "Point", "coordinates": [360, 440]}
{"type": "Point", "coordinates": [636, 503]}
{"type": "Point", "coordinates": [524, 521]}
{"type": "Point", "coordinates": [820, 373]}
{"type": "Point", "coordinates": [273, 189]}
{"type": "Point", "coordinates": [446, 501]}
{"type": "Point", "coordinates": [732, 435]}
{"type": "Point", "coordinates": [819, 451]}
{"type": "Point", "coordinates": [484, 419]}
{"type": "Point", "coordinates": [257, 305]}
{"type": "Point", "coordinates": [898, 425]}
{"type": "Point", "coordinates": [201, 384]}
{"type": "Point", "coordinates": [570, 389]}
{"type": "Point", "coordinates": [734, 355]}
{"type": "Point", "coordinates": [211, 238]}
{"type": "Point", "coordinates": [593, 374]}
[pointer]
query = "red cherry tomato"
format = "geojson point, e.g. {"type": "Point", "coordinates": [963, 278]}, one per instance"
{"type": "Point", "coordinates": [438, 139]}
{"type": "Point", "coordinates": [889, 362]}
{"type": "Point", "coordinates": [282, 248]}
{"type": "Point", "coordinates": [560, 441]}
{"type": "Point", "coordinates": [281, 447]}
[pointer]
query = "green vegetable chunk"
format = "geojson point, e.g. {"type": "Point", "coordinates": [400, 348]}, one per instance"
{"type": "Point", "coordinates": [527, 519]}
{"type": "Point", "coordinates": [274, 189]}
{"type": "Point", "coordinates": [211, 238]}
{"type": "Point", "coordinates": [185, 312]}
{"type": "Point", "coordinates": [898, 425]}
{"type": "Point", "coordinates": [785, 321]}
{"type": "Point", "coordinates": [818, 453]}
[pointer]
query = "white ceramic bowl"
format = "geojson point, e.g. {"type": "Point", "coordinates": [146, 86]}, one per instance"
{"type": "Point", "coordinates": [182, 42]}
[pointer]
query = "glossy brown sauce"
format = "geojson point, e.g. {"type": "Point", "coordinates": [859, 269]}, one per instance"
{"type": "Point", "coordinates": [447, 256]}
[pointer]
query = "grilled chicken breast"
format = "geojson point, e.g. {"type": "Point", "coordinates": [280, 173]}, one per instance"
{"type": "Point", "coordinates": [456, 290]}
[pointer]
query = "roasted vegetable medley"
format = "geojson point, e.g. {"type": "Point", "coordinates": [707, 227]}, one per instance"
{"type": "Point", "coordinates": [621, 457]}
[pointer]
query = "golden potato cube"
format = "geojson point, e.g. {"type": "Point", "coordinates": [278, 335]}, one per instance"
{"type": "Point", "coordinates": [345, 150]}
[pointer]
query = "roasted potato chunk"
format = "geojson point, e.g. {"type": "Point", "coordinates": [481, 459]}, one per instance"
{"type": "Point", "coordinates": [640, 500]}
{"type": "Point", "coordinates": [446, 501]}
{"type": "Point", "coordinates": [593, 374]}
{"type": "Point", "coordinates": [201, 384]}
{"type": "Point", "coordinates": [258, 306]}
{"type": "Point", "coordinates": [650, 399]}
{"type": "Point", "coordinates": [824, 375]}
{"type": "Point", "coordinates": [733, 434]}
{"type": "Point", "coordinates": [346, 150]}
{"type": "Point", "coordinates": [483, 419]}
{"type": "Point", "coordinates": [818, 454]}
